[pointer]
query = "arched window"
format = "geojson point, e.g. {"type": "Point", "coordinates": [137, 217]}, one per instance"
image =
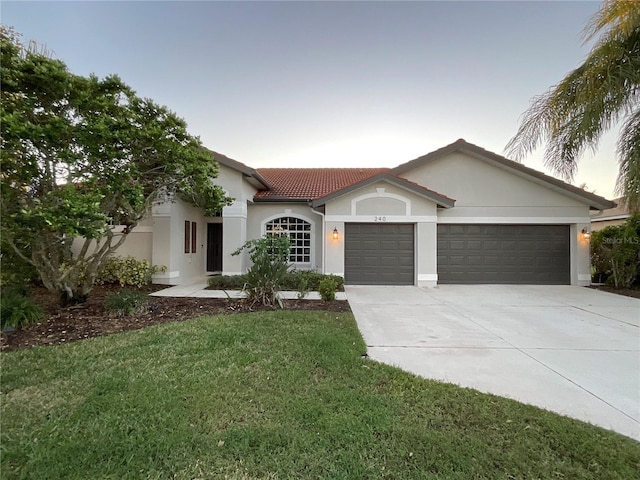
{"type": "Point", "coordinates": [299, 232]}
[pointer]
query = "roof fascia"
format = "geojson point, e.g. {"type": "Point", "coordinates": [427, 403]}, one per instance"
{"type": "Point", "coordinates": [280, 199]}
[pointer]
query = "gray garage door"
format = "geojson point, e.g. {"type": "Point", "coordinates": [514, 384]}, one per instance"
{"type": "Point", "coordinates": [378, 254]}
{"type": "Point", "coordinates": [507, 254]}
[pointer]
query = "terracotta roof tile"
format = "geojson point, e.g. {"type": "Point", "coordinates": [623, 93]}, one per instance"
{"type": "Point", "coordinates": [311, 183]}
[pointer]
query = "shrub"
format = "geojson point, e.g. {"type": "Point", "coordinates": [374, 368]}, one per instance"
{"type": "Point", "coordinates": [127, 271]}
{"type": "Point", "coordinates": [16, 310]}
{"type": "Point", "coordinates": [270, 263]}
{"type": "Point", "coordinates": [227, 282]}
{"type": "Point", "coordinates": [126, 302]}
{"type": "Point", "coordinates": [339, 282]}
{"type": "Point", "coordinates": [302, 281]}
{"type": "Point", "coordinates": [303, 288]}
{"type": "Point", "coordinates": [298, 279]}
{"type": "Point", "coordinates": [615, 253]}
{"type": "Point", "coordinates": [327, 288]}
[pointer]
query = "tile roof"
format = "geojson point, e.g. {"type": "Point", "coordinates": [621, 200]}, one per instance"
{"type": "Point", "coordinates": [310, 183]}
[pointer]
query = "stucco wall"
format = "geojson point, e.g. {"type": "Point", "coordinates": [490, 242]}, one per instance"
{"type": "Point", "coordinates": [381, 199]}
{"type": "Point", "coordinates": [387, 203]}
{"type": "Point", "coordinates": [138, 243]}
{"type": "Point", "coordinates": [476, 183]}
{"type": "Point", "coordinates": [488, 193]}
{"type": "Point", "coordinates": [234, 184]}
{"type": "Point", "coordinates": [168, 242]}
{"type": "Point", "coordinates": [261, 213]}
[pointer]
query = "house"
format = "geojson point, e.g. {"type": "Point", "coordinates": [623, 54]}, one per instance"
{"type": "Point", "coordinates": [460, 214]}
{"type": "Point", "coordinates": [610, 216]}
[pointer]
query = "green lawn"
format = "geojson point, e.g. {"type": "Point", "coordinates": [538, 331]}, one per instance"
{"type": "Point", "coordinates": [281, 394]}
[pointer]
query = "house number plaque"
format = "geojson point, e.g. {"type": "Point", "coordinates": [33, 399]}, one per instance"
{"type": "Point", "coordinates": [379, 219]}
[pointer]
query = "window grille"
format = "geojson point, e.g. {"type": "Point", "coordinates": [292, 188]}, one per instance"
{"type": "Point", "coordinates": [299, 232]}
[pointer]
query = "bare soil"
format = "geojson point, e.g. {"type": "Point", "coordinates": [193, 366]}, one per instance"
{"type": "Point", "coordinates": [627, 292]}
{"type": "Point", "coordinates": [70, 324]}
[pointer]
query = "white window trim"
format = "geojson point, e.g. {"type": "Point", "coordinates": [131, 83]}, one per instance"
{"type": "Point", "coordinates": [312, 233]}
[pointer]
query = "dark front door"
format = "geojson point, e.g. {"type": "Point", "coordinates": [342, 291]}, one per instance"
{"type": "Point", "coordinates": [214, 247]}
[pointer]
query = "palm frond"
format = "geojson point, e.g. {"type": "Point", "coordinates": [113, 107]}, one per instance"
{"type": "Point", "coordinates": [628, 183]}
{"type": "Point", "coordinates": [615, 17]}
{"type": "Point", "coordinates": [572, 116]}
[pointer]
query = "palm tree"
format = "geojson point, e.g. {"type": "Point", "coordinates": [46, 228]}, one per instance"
{"type": "Point", "coordinates": [600, 93]}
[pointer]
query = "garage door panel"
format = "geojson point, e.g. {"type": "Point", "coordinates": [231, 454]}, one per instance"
{"type": "Point", "coordinates": [379, 254]}
{"type": "Point", "coordinates": [457, 245]}
{"type": "Point", "coordinates": [534, 254]}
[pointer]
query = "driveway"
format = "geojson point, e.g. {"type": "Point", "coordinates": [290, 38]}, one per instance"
{"type": "Point", "coordinates": [572, 350]}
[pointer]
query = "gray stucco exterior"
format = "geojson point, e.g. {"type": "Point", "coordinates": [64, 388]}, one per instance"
{"type": "Point", "coordinates": [460, 184]}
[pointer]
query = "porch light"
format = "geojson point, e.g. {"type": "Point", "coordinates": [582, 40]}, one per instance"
{"type": "Point", "coordinates": [335, 233]}
{"type": "Point", "coordinates": [586, 234]}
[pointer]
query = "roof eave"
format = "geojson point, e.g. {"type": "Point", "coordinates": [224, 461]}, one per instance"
{"type": "Point", "coordinates": [250, 174]}
{"type": "Point", "coordinates": [280, 199]}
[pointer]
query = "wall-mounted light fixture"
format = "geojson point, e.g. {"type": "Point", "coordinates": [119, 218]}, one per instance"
{"type": "Point", "coordinates": [335, 233]}
{"type": "Point", "coordinates": [586, 234]}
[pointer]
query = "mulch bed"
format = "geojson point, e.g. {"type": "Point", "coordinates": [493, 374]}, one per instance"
{"type": "Point", "coordinates": [627, 292]}
{"type": "Point", "coordinates": [70, 324]}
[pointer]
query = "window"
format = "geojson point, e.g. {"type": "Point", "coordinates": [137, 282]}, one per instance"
{"type": "Point", "coordinates": [187, 236]}
{"type": "Point", "coordinates": [299, 232]}
{"type": "Point", "coordinates": [194, 237]}
{"type": "Point", "coordinates": [190, 236]}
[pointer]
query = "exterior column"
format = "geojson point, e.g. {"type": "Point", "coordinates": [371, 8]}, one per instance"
{"type": "Point", "coordinates": [426, 252]}
{"type": "Point", "coordinates": [334, 249]}
{"type": "Point", "coordinates": [580, 249]}
{"type": "Point", "coordinates": [162, 253]}
{"type": "Point", "coordinates": [234, 235]}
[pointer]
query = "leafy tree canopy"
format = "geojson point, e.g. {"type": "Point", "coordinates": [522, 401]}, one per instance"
{"type": "Point", "coordinates": [79, 154]}
{"type": "Point", "coordinates": [573, 115]}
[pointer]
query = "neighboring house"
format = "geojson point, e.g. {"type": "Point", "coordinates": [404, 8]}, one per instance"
{"type": "Point", "coordinates": [460, 214]}
{"type": "Point", "coordinates": [610, 216]}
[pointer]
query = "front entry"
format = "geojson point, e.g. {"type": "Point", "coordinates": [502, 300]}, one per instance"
{"type": "Point", "coordinates": [214, 247]}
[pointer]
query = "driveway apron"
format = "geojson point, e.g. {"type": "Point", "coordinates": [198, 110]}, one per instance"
{"type": "Point", "coordinates": [571, 350]}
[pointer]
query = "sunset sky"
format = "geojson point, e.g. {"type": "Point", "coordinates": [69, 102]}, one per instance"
{"type": "Point", "coordinates": [335, 84]}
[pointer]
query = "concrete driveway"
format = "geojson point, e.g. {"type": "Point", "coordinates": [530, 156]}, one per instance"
{"type": "Point", "coordinates": [572, 350]}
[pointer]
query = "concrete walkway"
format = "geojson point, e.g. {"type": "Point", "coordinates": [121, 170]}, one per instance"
{"type": "Point", "coordinates": [572, 350]}
{"type": "Point", "coordinates": [198, 289]}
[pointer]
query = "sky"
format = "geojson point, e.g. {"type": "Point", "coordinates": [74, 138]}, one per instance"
{"type": "Point", "coordinates": [331, 84]}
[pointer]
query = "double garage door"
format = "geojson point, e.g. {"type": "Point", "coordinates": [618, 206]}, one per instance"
{"type": "Point", "coordinates": [383, 254]}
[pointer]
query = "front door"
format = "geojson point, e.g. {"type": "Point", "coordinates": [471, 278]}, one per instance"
{"type": "Point", "coordinates": [214, 247]}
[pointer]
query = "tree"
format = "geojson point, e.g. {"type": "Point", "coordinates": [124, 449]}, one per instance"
{"type": "Point", "coordinates": [78, 154]}
{"type": "Point", "coordinates": [573, 115]}
{"type": "Point", "coordinates": [615, 253]}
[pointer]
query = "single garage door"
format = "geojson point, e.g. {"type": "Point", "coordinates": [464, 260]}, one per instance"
{"type": "Point", "coordinates": [507, 254]}
{"type": "Point", "coordinates": [378, 254]}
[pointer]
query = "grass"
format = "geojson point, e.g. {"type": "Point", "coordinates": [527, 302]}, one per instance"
{"type": "Point", "coordinates": [272, 395]}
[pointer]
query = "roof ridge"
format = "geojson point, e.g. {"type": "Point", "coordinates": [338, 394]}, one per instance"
{"type": "Point", "coordinates": [324, 168]}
